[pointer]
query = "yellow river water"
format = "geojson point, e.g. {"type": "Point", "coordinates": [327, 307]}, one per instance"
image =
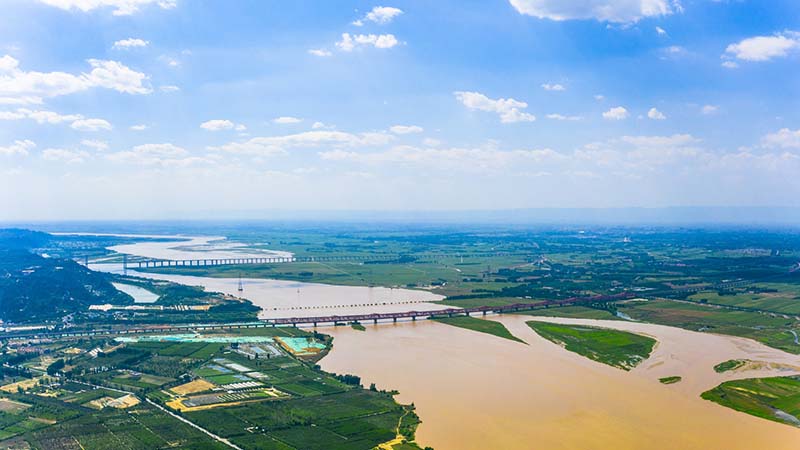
{"type": "Point", "coordinates": [477, 391]}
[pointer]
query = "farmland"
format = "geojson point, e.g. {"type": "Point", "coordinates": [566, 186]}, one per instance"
{"type": "Point", "coordinates": [479, 325]}
{"type": "Point", "coordinates": [257, 393]}
{"type": "Point", "coordinates": [616, 348]}
{"type": "Point", "coordinates": [776, 399]}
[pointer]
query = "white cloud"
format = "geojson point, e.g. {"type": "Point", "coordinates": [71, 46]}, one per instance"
{"type": "Point", "coordinates": [431, 142]}
{"type": "Point", "coordinates": [465, 159]}
{"type": "Point", "coordinates": [709, 109]}
{"type": "Point", "coordinates": [90, 125]}
{"type": "Point", "coordinates": [169, 88]}
{"type": "Point", "coordinates": [661, 31]}
{"type": "Point", "coordinates": [599, 97]}
{"type": "Point", "coordinates": [553, 87]}
{"type": "Point", "coordinates": [276, 145]}
{"type": "Point", "coordinates": [320, 52]}
{"type": "Point", "coordinates": [320, 125]}
{"type": "Point", "coordinates": [121, 7]}
{"type": "Point", "coordinates": [41, 117]}
{"type": "Point", "coordinates": [655, 114]}
{"type": "Point", "coordinates": [380, 15]}
{"type": "Point", "coordinates": [285, 120]}
{"type": "Point", "coordinates": [164, 155]}
{"type": "Point", "coordinates": [95, 144]}
{"type": "Point", "coordinates": [783, 138]}
{"type": "Point", "coordinates": [21, 101]}
{"type": "Point", "coordinates": [617, 113]}
{"type": "Point", "coordinates": [616, 11]}
{"type": "Point", "coordinates": [563, 117]}
{"type": "Point", "coordinates": [730, 64]}
{"type": "Point", "coordinates": [221, 124]}
{"type": "Point", "coordinates": [406, 129]}
{"type": "Point", "coordinates": [33, 86]}
{"type": "Point", "coordinates": [348, 43]}
{"type": "Point", "coordinates": [170, 61]}
{"type": "Point", "coordinates": [508, 109]}
{"type": "Point", "coordinates": [67, 156]}
{"type": "Point", "coordinates": [18, 148]}
{"type": "Point", "coordinates": [78, 121]}
{"type": "Point", "coordinates": [764, 48]}
{"type": "Point", "coordinates": [129, 43]}
{"type": "Point", "coordinates": [139, 127]}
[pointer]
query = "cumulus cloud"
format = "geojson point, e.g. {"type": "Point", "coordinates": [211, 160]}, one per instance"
{"type": "Point", "coordinates": [20, 148]}
{"type": "Point", "coordinates": [164, 155]}
{"type": "Point", "coordinates": [553, 87]}
{"type": "Point", "coordinates": [319, 52]}
{"type": "Point", "coordinates": [655, 114]}
{"type": "Point", "coordinates": [286, 120]}
{"type": "Point", "coordinates": [78, 121]}
{"type": "Point", "coordinates": [139, 127]}
{"type": "Point", "coordinates": [16, 83]}
{"type": "Point", "coordinates": [661, 31]}
{"type": "Point", "coordinates": [276, 145]}
{"type": "Point", "coordinates": [380, 15]}
{"type": "Point", "coordinates": [95, 144]}
{"type": "Point", "coordinates": [221, 124]}
{"type": "Point", "coordinates": [120, 7]}
{"type": "Point", "coordinates": [783, 138]}
{"type": "Point", "coordinates": [764, 48]}
{"type": "Point", "coordinates": [508, 109]}
{"type": "Point", "coordinates": [349, 42]}
{"type": "Point", "coordinates": [406, 129]}
{"type": "Point", "coordinates": [615, 11]}
{"type": "Point", "coordinates": [90, 125]}
{"type": "Point", "coordinates": [129, 43]}
{"type": "Point", "coordinates": [466, 159]}
{"type": "Point", "coordinates": [66, 156]}
{"type": "Point", "coordinates": [562, 117]}
{"type": "Point", "coordinates": [617, 113]}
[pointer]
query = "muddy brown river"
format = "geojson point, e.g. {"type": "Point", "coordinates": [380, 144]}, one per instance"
{"type": "Point", "coordinates": [477, 391]}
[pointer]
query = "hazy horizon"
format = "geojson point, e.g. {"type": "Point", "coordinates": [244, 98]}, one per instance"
{"type": "Point", "coordinates": [630, 216]}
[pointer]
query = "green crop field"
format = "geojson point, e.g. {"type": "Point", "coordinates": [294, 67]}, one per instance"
{"type": "Point", "coordinates": [772, 330]}
{"type": "Point", "coordinates": [616, 348]}
{"type": "Point", "coordinates": [670, 380]}
{"type": "Point", "coordinates": [348, 420]}
{"type": "Point", "coordinates": [731, 364]}
{"type": "Point", "coordinates": [776, 399]}
{"type": "Point", "coordinates": [480, 325]}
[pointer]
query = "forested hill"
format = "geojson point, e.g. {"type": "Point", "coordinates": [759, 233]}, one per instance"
{"type": "Point", "coordinates": [34, 288]}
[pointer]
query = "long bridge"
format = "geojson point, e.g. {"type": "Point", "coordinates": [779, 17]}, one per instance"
{"type": "Point", "coordinates": [320, 320]}
{"type": "Point", "coordinates": [143, 263]}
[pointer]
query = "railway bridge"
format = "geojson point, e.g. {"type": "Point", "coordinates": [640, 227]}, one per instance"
{"type": "Point", "coordinates": [144, 263]}
{"type": "Point", "coordinates": [317, 320]}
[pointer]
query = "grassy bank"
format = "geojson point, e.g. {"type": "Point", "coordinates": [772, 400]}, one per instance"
{"type": "Point", "coordinates": [480, 325]}
{"type": "Point", "coordinates": [772, 330]}
{"type": "Point", "coordinates": [616, 348]}
{"type": "Point", "coordinates": [776, 399]}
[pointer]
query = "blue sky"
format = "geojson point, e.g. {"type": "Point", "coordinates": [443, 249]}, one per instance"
{"type": "Point", "coordinates": [179, 108]}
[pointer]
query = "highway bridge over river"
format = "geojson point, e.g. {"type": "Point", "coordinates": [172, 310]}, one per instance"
{"type": "Point", "coordinates": [144, 263]}
{"type": "Point", "coordinates": [333, 320]}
